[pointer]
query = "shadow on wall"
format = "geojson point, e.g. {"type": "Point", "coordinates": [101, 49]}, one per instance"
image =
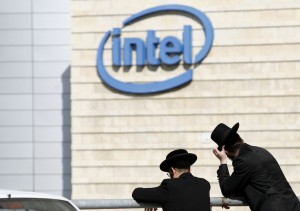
{"type": "Point", "coordinates": [66, 134]}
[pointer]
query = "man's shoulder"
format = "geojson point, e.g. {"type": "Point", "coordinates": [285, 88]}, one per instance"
{"type": "Point", "coordinates": [250, 156]}
{"type": "Point", "coordinates": [166, 182]}
{"type": "Point", "coordinates": [191, 179]}
{"type": "Point", "coordinates": [202, 181]}
{"type": "Point", "coordinates": [249, 151]}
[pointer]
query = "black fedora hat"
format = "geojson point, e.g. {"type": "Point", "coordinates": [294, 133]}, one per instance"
{"type": "Point", "coordinates": [224, 135]}
{"type": "Point", "coordinates": [176, 156]}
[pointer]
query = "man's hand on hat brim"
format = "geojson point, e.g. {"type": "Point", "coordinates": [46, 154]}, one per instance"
{"type": "Point", "coordinates": [221, 155]}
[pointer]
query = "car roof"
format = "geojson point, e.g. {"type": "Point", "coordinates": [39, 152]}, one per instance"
{"type": "Point", "coordinates": [5, 193]}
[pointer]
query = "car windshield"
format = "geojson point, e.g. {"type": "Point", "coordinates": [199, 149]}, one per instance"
{"type": "Point", "coordinates": [25, 204]}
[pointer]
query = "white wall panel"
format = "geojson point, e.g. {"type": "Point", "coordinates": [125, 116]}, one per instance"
{"type": "Point", "coordinates": [47, 6]}
{"type": "Point", "coordinates": [51, 53]}
{"type": "Point", "coordinates": [18, 182]}
{"type": "Point", "coordinates": [15, 134]}
{"type": "Point", "coordinates": [16, 118]}
{"type": "Point", "coordinates": [16, 86]}
{"type": "Point", "coordinates": [16, 70]}
{"type": "Point", "coordinates": [16, 102]}
{"type": "Point", "coordinates": [52, 134]}
{"type": "Point", "coordinates": [51, 86]}
{"type": "Point", "coordinates": [15, 21]}
{"type": "Point", "coordinates": [58, 69]}
{"type": "Point", "coordinates": [51, 21]}
{"type": "Point", "coordinates": [15, 54]}
{"type": "Point", "coordinates": [53, 166]}
{"type": "Point", "coordinates": [16, 166]}
{"type": "Point", "coordinates": [54, 182]}
{"type": "Point", "coordinates": [35, 126]}
{"type": "Point", "coordinates": [52, 150]}
{"type": "Point", "coordinates": [52, 101]}
{"type": "Point", "coordinates": [52, 37]}
{"type": "Point", "coordinates": [15, 37]}
{"type": "Point", "coordinates": [52, 118]}
{"type": "Point", "coordinates": [16, 150]}
{"type": "Point", "coordinates": [15, 6]}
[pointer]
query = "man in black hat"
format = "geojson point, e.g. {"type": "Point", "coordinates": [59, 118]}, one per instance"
{"type": "Point", "coordinates": [257, 176]}
{"type": "Point", "coordinates": [183, 191]}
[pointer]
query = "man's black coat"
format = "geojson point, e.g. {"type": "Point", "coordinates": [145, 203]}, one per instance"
{"type": "Point", "coordinates": [258, 177]}
{"type": "Point", "coordinates": [186, 193]}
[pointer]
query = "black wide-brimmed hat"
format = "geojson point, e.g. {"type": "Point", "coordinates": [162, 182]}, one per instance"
{"type": "Point", "coordinates": [224, 135]}
{"type": "Point", "coordinates": [175, 157]}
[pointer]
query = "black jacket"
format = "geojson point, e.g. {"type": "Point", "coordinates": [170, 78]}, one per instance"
{"type": "Point", "coordinates": [258, 177]}
{"type": "Point", "coordinates": [186, 193]}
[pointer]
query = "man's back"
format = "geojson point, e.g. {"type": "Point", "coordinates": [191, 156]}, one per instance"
{"type": "Point", "coordinates": [186, 193]}
{"type": "Point", "coordinates": [264, 167]}
{"type": "Point", "coordinates": [267, 186]}
{"type": "Point", "coordinates": [256, 174]}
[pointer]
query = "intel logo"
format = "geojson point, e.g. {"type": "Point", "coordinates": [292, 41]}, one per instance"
{"type": "Point", "coordinates": [155, 51]}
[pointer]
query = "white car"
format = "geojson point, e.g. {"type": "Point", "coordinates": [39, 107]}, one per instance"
{"type": "Point", "coordinates": [11, 200]}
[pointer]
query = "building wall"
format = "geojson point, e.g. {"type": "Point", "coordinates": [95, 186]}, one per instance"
{"type": "Point", "coordinates": [35, 57]}
{"type": "Point", "coordinates": [251, 76]}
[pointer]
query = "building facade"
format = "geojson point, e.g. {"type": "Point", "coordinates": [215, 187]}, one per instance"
{"type": "Point", "coordinates": [250, 76]}
{"type": "Point", "coordinates": [67, 129]}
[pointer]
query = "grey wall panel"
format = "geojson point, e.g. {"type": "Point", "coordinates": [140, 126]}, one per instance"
{"type": "Point", "coordinates": [51, 53]}
{"type": "Point", "coordinates": [52, 69]}
{"type": "Point", "coordinates": [18, 182]}
{"type": "Point", "coordinates": [54, 182]}
{"type": "Point", "coordinates": [52, 86]}
{"type": "Point", "coordinates": [16, 150]}
{"type": "Point", "coordinates": [57, 101]}
{"type": "Point", "coordinates": [53, 166]}
{"type": "Point", "coordinates": [51, 6]}
{"type": "Point", "coordinates": [15, 86]}
{"type": "Point", "coordinates": [16, 102]}
{"type": "Point", "coordinates": [16, 166]}
{"type": "Point", "coordinates": [34, 62]}
{"type": "Point", "coordinates": [16, 118]}
{"type": "Point", "coordinates": [15, 53]}
{"type": "Point", "coordinates": [52, 150]}
{"type": "Point", "coordinates": [16, 70]}
{"type": "Point", "coordinates": [51, 21]}
{"type": "Point", "coordinates": [15, 6]}
{"type": "Point", "coordinates": [15, 37]}
{"type": "Point", "coordinates": [15, 21]}
{"type": "Point", "coordinates": [52, 37]}
{"type": "Point", "coordinates": [52, 134]}
{"type": "Point", "coordinates": [64, 192]}
{"type": "Point", "coordinates": [15, 134]}
{"type": "Point", "coordinates": [52, 118]}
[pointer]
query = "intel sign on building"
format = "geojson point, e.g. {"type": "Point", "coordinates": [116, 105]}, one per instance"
{"type": "Point", "coordinates": [155, 50]}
